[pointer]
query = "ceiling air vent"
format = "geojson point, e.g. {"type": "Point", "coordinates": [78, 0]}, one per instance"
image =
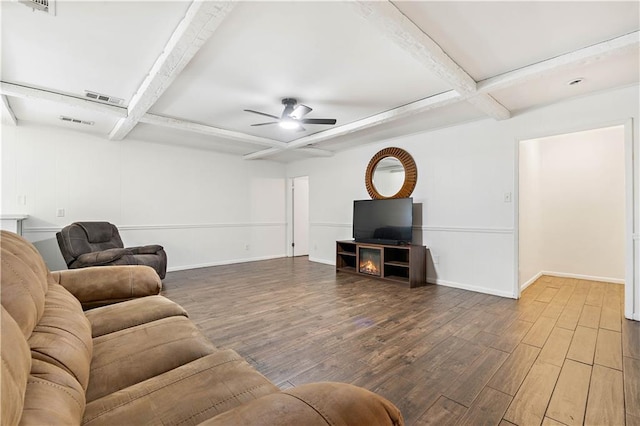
{"type": "Point", "coordinates": [75, 120]}
{"type": "Point", "coordinates": [103, 98]}
{"type": "Point", "coordinates": [47, 6]}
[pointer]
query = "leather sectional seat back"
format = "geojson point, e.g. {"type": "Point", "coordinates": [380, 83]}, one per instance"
{"type": "Point", "coordinates": [139, 361]}
{"type": "Point", "coordinates": [46, 342]}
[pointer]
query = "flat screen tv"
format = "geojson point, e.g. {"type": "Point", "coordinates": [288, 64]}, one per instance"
{"type": "Point", "coordinates": [386, 221]}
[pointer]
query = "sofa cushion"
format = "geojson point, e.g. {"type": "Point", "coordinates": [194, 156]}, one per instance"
{"type": "Point", "coordinates": [53, 397]}
{"type": "Point", "coordinates": [16, 364]}
{"type": "Point", "coordinates": [63, 335]}
{"type": "Point", "coordinates": [23, 286]}
{"type": "Point", "coordinates": [97, 232]}
{"type": "Point", "coordinates": [211, 385]}
{"type": "Point", "coordinates": [97, 258]}
{"type": "Point", "coordinates": [27, 253]}
{"type": "Point", "coordinates": [116, 317]}
{"type": "Point", "coordinates": [313, 404]}
{"type": "Point", "coordinates": [148, 249]}
{"type": "Point", "coordinates": [109, 284]}
{"type": "Point", "coordinates": [132, 355]}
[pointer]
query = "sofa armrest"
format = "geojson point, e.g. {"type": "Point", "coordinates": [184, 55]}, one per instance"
{"type": "Point", "coordinates": [149, 249]}
{"type": "Point", "coordinates": [320, 404]}
{"type": "Point", "coordinates": [104, 285]}
{"type": "Point", "coordinates": [103, 257]}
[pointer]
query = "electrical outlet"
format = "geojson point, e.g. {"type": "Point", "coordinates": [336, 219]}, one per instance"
{"type": "Point", "coordinates": [507, 197]}
{"type": "Point", "coordinates": [22, 200]}
{"type": "Point", "coordinates": [247, 247]}
{"type": "Point", "coordinates": [60, 212]}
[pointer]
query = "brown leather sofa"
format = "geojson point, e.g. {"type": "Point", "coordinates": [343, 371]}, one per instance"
{"type": "Point", "coordinates": [84, 244]}
{"type": "Point", "coordinates": [137, 362]}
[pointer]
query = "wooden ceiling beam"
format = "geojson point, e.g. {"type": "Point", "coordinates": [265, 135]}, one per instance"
{"type": "Point", "coordinates": [200, 22]}
{"type": "Point", "coordinates": [190, 126]}
{"type": "Point", "coordinates": [585, 56]}
{"type": "Point", "coordinates": [7, 113]}
{"type": "Point", "coordinates": [315, 152]}
{"type": "Point", "coordinates": [391, 22]}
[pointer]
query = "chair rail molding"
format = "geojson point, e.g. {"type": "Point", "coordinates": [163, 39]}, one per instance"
{"type": "Point", "coordinates": [37, 229]}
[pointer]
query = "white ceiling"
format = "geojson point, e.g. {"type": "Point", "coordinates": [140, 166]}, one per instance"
{"type": "Point", "coordinates": [186, 72]}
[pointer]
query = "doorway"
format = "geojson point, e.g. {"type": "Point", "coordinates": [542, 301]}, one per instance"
{"type": "Point", "coordinates": [574, 208]}
{"type": "Point", "coordinates": [300, 216]}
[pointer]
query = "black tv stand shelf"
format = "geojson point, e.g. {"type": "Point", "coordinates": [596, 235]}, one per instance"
{"type": "Point", "coordinates": [400, 263]}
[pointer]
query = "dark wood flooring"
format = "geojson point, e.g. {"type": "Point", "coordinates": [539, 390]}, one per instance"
{"type": "Point", "coordinates": [562, 354]}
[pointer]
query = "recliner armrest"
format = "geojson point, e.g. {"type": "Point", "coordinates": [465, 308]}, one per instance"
{"type": "Point", "coordinates": [313, 404]}
{"type": "Point", "coordinates": [96, 258]}
{"type": "Point", "coordinates": [149, 249]}
{"type": "Point", "coordinates": [104, 285]}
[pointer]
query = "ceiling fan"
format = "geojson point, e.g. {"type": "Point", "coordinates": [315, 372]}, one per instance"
{"type": "Point", "coordinates": [292, 116]}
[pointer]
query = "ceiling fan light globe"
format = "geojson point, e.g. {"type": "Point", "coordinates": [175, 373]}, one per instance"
{"type": "Point", "coordinates": [289, 124]}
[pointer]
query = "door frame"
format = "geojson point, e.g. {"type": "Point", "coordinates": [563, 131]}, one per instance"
{"type": "Point", "coordinates": [631, 279]}
{"type": "Point", "coordinates": [290, 201]}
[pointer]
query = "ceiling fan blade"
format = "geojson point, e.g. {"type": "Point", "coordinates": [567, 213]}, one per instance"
{"type": "Point", "coordinates": [264, 124]}
{"type": "Point", "coordinates": [300, 111]}
{"type": "Point", "coordinates": [262, 113]}
{"type": "Point", "coordinates": [330, 121]}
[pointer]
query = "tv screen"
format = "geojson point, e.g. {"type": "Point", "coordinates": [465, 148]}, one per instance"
{"type": "Point", "coordinates": [387, 221]}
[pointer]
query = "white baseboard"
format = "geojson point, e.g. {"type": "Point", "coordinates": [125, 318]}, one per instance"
{"type": "Point", "coordinates": [223, 262]}
{"type": "Point", "coordinates": [583, 277]}
{"type": "Point", "coordinates": [531, 281]}
{"type": "Point", "coordinates": [470, 287]}
{"type": "Point", "coordinates": [324, 261]}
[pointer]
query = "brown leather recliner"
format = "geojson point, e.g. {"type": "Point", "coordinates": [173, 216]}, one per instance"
{"type": "Point", "coordinates": [86, 244]}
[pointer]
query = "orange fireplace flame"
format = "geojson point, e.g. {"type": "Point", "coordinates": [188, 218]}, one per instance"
{"type": "Point", "coordinates": [369, 267]}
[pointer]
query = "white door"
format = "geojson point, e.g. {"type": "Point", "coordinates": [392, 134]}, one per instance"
{"type": "Point", "coordinates": [300, 220]}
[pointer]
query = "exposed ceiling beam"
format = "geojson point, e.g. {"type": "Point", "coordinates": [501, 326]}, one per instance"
{"type": "Point", "coordinates": [585, 56]}
{"type": "Point", "coordinates": [432, 102]}
{"type": "Point", "coordinates": [401, 30]}
{"type": "Point", "coordinates": [262, 154]}
{"type": "Point", "coordinates": [316, 152]}
{"type": "Point", "coordinates": [209, 130]}
{"type": "Point", "coordinates": [201, 20]}
{"type": "Point", "coordinates": [404, 111]}
{"type": "Point", "coordinates": [25, 92]}
{"type": "Point", "coordinates": [487, 104]}
{"type": "Point", "coordinates": [7, 113]}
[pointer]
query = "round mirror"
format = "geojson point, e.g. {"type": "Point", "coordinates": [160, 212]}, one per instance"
{"type": "Point", "coordinates": [391, 173]}
{"type": "Point", "coordinates": [388, 176]}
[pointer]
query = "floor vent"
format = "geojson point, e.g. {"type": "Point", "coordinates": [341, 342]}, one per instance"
{"type": "Point", "coordinates": [103, 98]}
{"type": "Point", "coordinates": [47, 6]}
{"type": "Point", "coordinates": [75, 120]}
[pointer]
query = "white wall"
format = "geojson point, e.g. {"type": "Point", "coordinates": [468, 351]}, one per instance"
{"type": "Point", "coordinates": [463, 175]}
{"type": "Point", "coordinates": [205, 208]}
{"type": "Point", "coordinates": [574, 186]}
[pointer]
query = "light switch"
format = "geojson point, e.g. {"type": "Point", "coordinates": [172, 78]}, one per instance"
{"type": "Point", "coordinates": [507, 197]}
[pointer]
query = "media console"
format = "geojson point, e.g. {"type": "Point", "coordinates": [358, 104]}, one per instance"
{"type": "Point", "coordinates": [400, 263]}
